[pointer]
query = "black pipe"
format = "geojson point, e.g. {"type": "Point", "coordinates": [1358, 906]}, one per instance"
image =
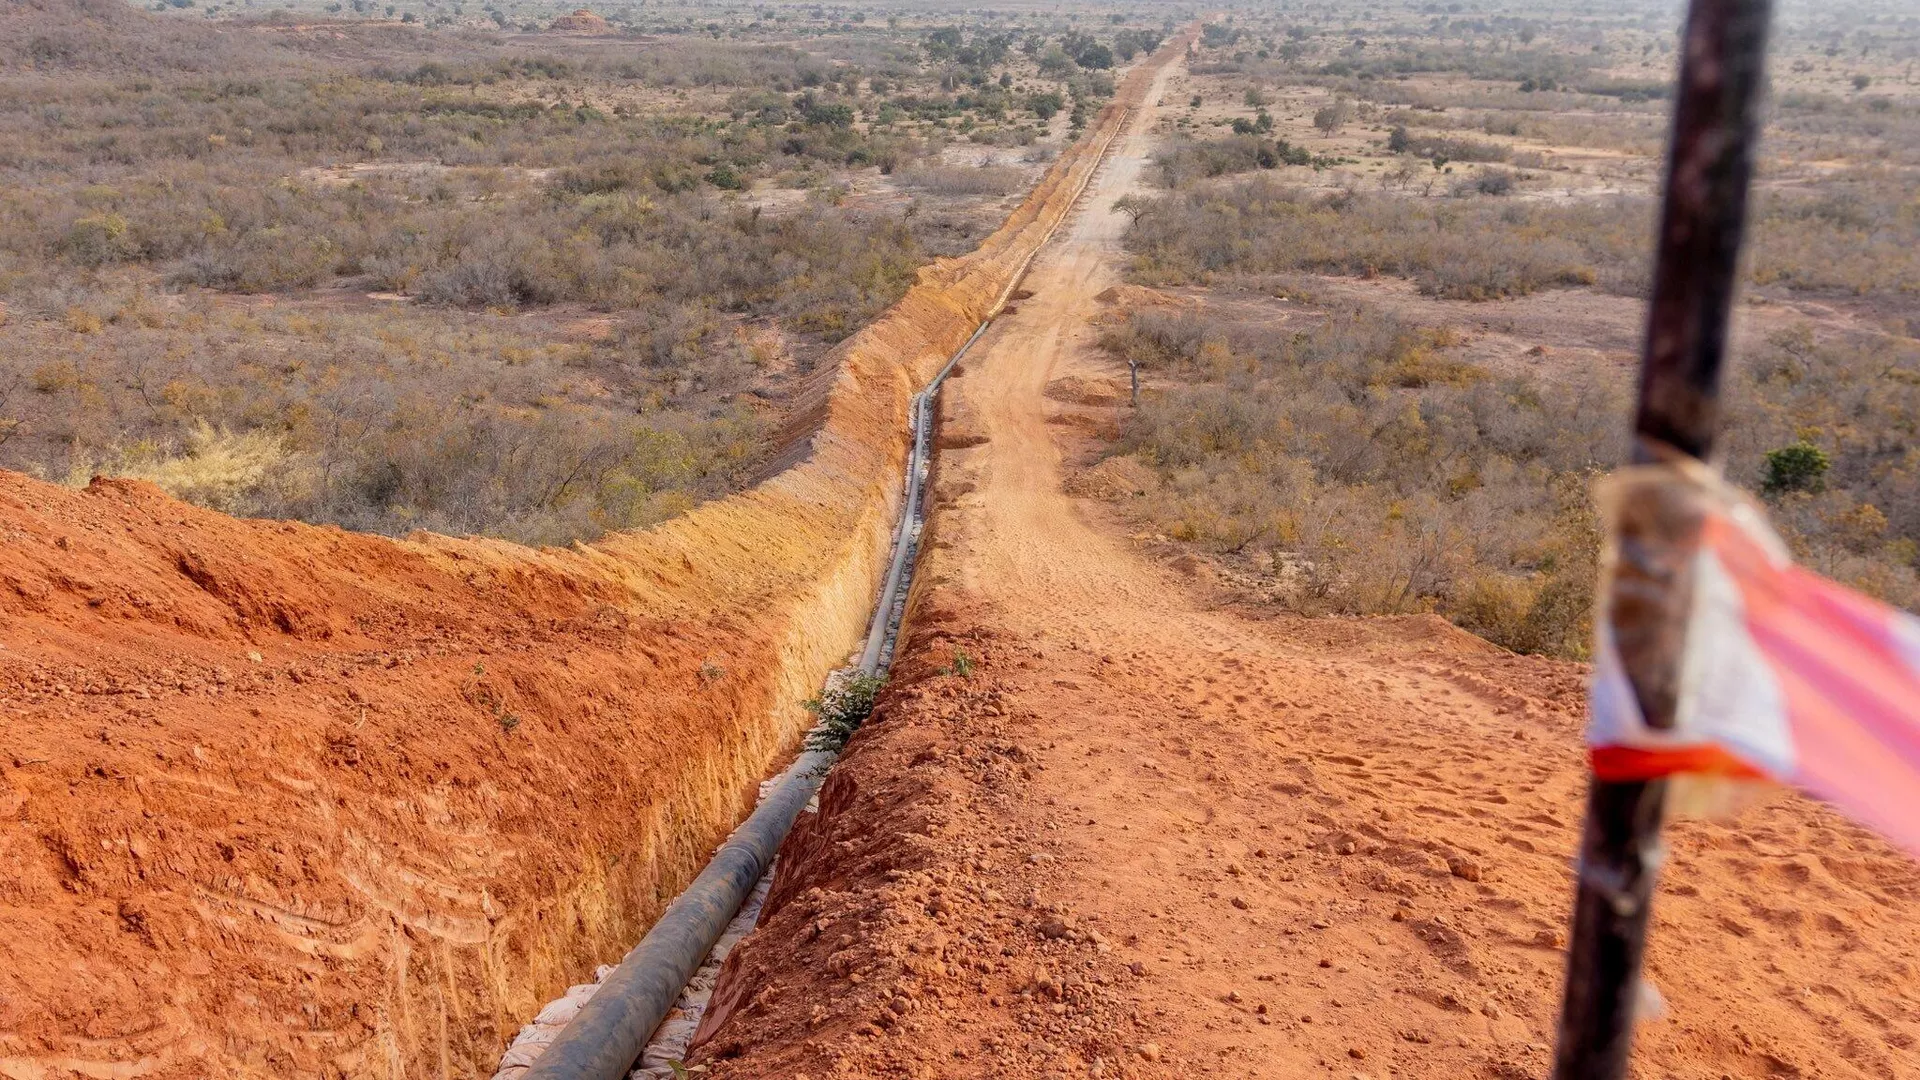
{"type": "Point", "coordinates": [612, 1028]}
{"type": "Point", "coordinates": [921, 408]}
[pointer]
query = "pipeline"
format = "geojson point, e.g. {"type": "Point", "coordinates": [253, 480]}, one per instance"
{"type": "Point", "coordinates": [607, 1036]}
{"type": "Point", "coordinates": [884, 627]}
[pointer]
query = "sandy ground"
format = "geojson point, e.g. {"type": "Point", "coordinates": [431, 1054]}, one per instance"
{"type": "Point", "coordinates": [1106, 822]}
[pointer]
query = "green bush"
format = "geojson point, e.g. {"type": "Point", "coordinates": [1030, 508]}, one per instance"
{"type": "Point", "coordinates": [1800, 467]}
{"type": "Point", "coordinates": [841, 708]}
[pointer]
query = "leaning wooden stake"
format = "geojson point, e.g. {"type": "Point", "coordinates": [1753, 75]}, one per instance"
{"type": "Point", "coordinates": [1709, 168]}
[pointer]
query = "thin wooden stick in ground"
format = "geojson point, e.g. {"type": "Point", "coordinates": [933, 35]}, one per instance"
{"type": "Point", "coordinates": [1709, 170]}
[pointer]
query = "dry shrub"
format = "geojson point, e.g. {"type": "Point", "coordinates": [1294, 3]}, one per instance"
{"type": "Point", "coordinates": [149, 163]}
{"type": "Point", "coordinates": [1472, 249]}
{"type": "Point", "coordinates": [391, 420]}
{"type": "Point", "coordinates": [1860, 236]}
{"type": "Point", "coordinates": [1369, 470]}
{"type": "Point", "coordinates": [232, 472]}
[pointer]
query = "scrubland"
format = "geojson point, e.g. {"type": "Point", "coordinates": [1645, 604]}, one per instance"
{"type": "Point", "coordinates": [534, 276]}
{"type": "Point", "coordinates": [1344, 455]}
{"type": "Point", "coordinates": [502, 270]}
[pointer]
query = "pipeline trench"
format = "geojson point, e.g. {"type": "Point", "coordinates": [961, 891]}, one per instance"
{"type": "Point", "coordinates": [284, 800]}
{"type": "Point", "coordinates": [640, 1016]}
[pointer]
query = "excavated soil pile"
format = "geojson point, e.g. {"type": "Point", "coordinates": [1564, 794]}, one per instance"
{"type": "Point", "coordinates": [282, 800]}
{"type": "Point", "coordinates": [582, 22]}
{"type": "Point", "coordinates": [1342, 854]}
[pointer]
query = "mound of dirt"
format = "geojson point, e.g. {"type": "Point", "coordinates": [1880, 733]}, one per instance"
{"type": "Point", "coordinates": [582, 22]}
{"type": "Point", "coordinates": [1123, 299]}
{"type": "Point", "coordinates": [1334, 842]}
{"type": "Point", "coordinates": [1082, 390]}
{"type": "Point", "coordinates": [1122, 477]}
{"type": "Point", "coordinates": [256, 771]}
{"type": "Point", "coordinates": [955, 438]}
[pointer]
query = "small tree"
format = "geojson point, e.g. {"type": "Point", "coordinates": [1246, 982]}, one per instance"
{"type": "Point", "coordinates": [841, 708]}
{"type": "Point", "coordinates": [1800, 467]}
{"type": "Point", "coordinates": [1331, 118]}
{"type": "Point", "coordinates": [1134, 206]}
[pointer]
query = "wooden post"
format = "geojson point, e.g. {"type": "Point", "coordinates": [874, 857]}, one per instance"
{"type": "Point", "coordinates": [1709, 171]}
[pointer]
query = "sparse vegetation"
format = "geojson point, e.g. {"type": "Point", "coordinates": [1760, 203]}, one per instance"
{"type": "Point", "coordinates": [963, 179]}
{"type": "Point", "coordinates": [1361, 470]}
{"type": "Point", "coordinates": [841, 708]}
{"type": "Point", "coordinates": [1861, 238]}
{"type": "Point", "coordinates": [1478, 250]}
{"type": "Point", "coordinates": [440, 276]}
{"type": "Point", "coordinates": [1357, 461]}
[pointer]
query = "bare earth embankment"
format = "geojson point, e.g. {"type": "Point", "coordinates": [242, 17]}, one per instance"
{"type": "Point", "coordinates": [1107, 822]}
{"type": "Point", "coordinates": [283, 800]}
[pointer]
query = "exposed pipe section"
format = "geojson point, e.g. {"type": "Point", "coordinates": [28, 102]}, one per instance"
{"type": "Point", "coordinates": [611, 1030]}
{"type": "Point", "coordinates": [910, 516]}
{"type": "Point", "coordinates": [606, 1038]}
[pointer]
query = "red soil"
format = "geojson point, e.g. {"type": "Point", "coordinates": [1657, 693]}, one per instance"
{"type": "Point", "coordinates": [284, 800]}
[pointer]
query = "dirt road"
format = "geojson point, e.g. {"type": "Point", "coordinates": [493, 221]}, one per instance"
{"type": "Point", "coordinates": [1107, 823]}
